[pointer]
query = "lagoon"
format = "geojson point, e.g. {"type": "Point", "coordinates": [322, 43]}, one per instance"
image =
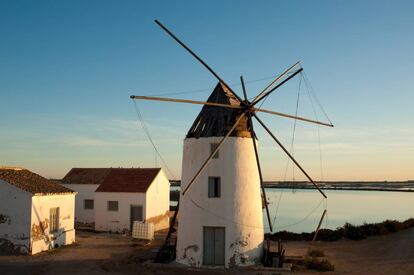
{"type": "Point", "coordinates": [300, 209]}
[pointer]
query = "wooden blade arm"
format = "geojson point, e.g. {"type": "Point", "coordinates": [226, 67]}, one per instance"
{"type": "Point", "coordinates": [213, 153]}
{"type": "Point", "coordinates": [256, 153]}
{"type": "Point", "coordinates": [166, 99]}
{"type": "Point", "coordinates": [197, 57]}
{"type": "Point", "coordinates": [277, 79]}
{"type": "Point", "coordinates": [244, 88]}
{"type": "Point", "coordinates": [185, 101]}
{"type": "Point", "coordinates": [292, 116]}
{"type": "Point", "coordinates": [260, 174]}
{"type": "Point", "coordinates": [290, 156]}
{"type": "Point", "coordinates": [276, 87]}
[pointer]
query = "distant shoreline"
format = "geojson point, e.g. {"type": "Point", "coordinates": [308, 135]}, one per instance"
{"type": "Point", "coordinates": [391, 186]}
{"type": "Point", "coordinates": [342, 188]}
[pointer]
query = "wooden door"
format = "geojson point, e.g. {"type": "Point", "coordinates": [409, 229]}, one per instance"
{"type": "Point", "coordinates": [214, 245]}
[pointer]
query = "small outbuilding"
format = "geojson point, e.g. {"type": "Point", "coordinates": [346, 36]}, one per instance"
{"type": "Point", "coordinates": [85, 181]}
{"type": "Point", "coordinates": [35, 214]}
{"type": "Point", "coordinates": [113, 198]}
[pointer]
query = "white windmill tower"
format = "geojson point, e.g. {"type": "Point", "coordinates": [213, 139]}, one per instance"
{"type": "Point", "coordinates": [220, 221]}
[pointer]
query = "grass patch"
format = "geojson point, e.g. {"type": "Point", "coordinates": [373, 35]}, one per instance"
{"type": "Point", "coordinates": [348, 231]}
{"type": "Point", "coordinates": [315, 253]}
{"type": "Point", "coordinates": [318, 264]}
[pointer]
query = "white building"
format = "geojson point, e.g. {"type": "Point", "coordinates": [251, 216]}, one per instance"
{"type": "Point", "coordinates": [112, 198]}
{"type": "Point", "coordinates": [220, 220]}
{"type": "Point", "coordinates": [85, 181]}
{"type": "Point", "coordinates": [35, 213]}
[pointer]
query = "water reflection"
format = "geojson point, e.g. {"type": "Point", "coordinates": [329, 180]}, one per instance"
{"type": "Point", "coordinates": [301, 210]}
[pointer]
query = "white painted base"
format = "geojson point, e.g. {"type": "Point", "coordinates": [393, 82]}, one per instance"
{"type": "Point", "coordinates": [239, 209]}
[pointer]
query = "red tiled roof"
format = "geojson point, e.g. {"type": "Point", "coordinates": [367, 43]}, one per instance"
{"type": "Point", "coordinates": [31, 182]}
{"type": "Point", "coordinates": [130, 180]}
{"type": "Point", "coordinates": [86, 175]}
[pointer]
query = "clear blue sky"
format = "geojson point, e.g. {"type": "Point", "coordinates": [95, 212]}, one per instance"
{"type": "Point", "coordinates": [67, 69]}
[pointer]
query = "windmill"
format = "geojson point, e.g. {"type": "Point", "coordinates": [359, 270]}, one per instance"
{"type": "Point", "coordinates": [220, 205]}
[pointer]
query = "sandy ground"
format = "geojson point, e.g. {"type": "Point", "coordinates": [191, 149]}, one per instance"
{"type": "Point", "coordinates": [117, 254]}
{"type": "Point", "coordinates": [388, 254]}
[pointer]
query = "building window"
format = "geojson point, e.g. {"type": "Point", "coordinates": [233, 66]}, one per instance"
{"type": "Point", "coordinates": [214, 188]}
{"type": "Point", "coordinates": [88, 204]}
{"type": "Point", "coordinates": [213, 147]}
{"type": "Point", "coordinates": [54, 219]}
{"type": "Point", "coordinates": [112, 205]}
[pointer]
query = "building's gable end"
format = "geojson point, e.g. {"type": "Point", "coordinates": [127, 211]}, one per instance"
{"type": "Point", "coordinates": [15, 188]}
{"type": "Point", "coordinates": [158, 196]}
{"type": "Point", "coordinates": [15, 209]}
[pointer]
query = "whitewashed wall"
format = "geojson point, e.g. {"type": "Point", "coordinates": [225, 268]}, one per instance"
{"type": "Point", "coordinates": [42, 240]}
{"type": "Point", "coordinates": [14, 217]}
{"type": "Point", "coordinates": [116, 221]}
{"type": "Point", "coordinates": [158, 197]}
{"type": "Point", "coordinates": [239, 209]}
{"type": "Point", "coordinates": [155, 202]}
{"type": "Point", "coordinates": [85, 191]}
{"type": "Point", "coordinates": [25, 221]}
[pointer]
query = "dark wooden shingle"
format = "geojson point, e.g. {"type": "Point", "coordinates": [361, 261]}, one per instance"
{"type": "Point", "coordinates": [215, 121]}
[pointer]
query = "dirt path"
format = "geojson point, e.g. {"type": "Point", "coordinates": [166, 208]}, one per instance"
{"type": "Point", "coordinates": [98, 254]}
{"type": "Point", "coordinates": [116, 254]}
{"type": "Point", "coordinates": [92, 254]}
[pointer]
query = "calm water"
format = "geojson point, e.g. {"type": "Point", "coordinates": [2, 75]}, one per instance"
{"type": "Point", "coordinates": [301, 209]}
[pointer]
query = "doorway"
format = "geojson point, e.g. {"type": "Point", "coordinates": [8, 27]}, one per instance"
{"type": "Point", "coordinates": [213, 245]}
{"type": "Point", "coordinates": [136, 214]}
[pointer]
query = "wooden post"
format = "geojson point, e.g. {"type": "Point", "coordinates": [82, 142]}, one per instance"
{"type": "Point", "coordinates": [319, 226]}
{"type": "Point", "coordinates": [289, 155]}
{"type": "Point", "coordinates": [198, 58]}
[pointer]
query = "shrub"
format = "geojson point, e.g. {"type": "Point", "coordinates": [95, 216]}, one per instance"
{"type": "Point", "coordinates": [348, 231]}
{"type": "Point", "coordinates": [373, 229]}
{"type": "Point", "coordinates": [329, 235]}
{"type": "Point", "coordinates": [392, 226]}
{"type": "Point", "coordinates": [317, 264]}
{"type": "Point", "coordinates": [353, 232]}
{"type": "Point", "coordinates": [286, 235]}
{"type": "Point", "coordinates": [408, 223]}
{"type": "Point", "coordinates": [316, 253]}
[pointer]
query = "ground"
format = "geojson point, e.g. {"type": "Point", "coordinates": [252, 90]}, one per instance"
{"type": "Point", "coordinates": [116, 254]}
{"type": "Point", "coordinates": [388, 254]}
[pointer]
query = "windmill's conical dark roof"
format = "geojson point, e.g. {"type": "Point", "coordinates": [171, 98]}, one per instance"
{"type": "Point", "coordinates": [215, 121]}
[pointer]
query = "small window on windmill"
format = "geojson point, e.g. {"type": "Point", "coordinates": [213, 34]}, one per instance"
{"type": "Point", "coordinates": [213, 147]}
{"type": "Point", "coordinates": [214, 187]}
